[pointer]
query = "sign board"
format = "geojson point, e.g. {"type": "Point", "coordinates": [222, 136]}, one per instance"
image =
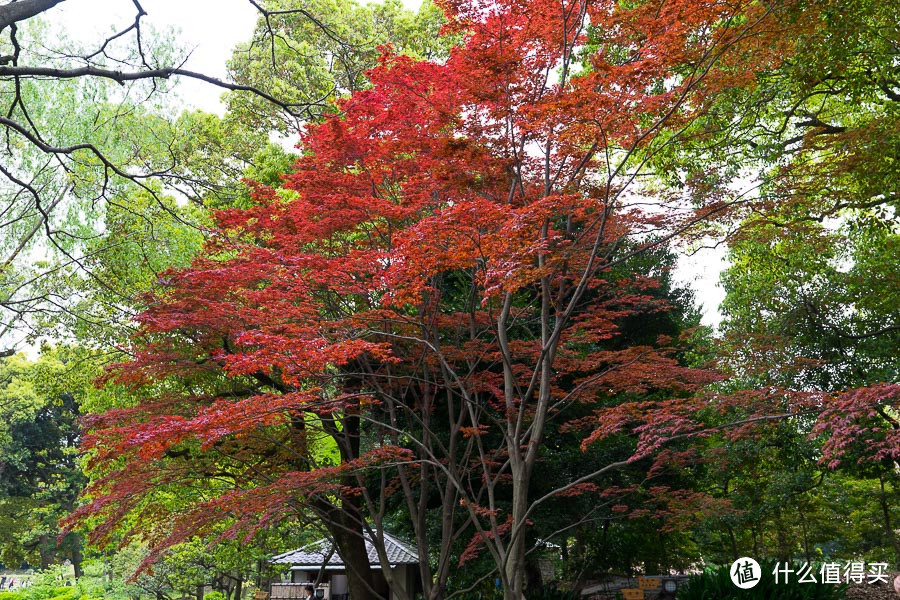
{"type": "Point", "coordinates": [649, 583]}
{"type": "Point", "coordinates": [632, 594]}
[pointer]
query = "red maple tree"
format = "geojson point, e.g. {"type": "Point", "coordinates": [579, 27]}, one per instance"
{"type": "Point", "coordinates": [432, 287]}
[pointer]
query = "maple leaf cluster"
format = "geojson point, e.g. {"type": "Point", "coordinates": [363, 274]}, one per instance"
{"type": "Point", "coordinates": [438, 280]}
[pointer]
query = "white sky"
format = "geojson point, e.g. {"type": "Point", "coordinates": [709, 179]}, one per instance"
{"type": "Point", "coordinates": [701, 272]}
{"type": "Point", "coordinates": [210, 29]}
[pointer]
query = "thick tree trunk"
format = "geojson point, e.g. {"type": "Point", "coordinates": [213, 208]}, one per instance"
{"type": "Point", "coordinates": [44, 548]}
{"type": "Point", "coordinates": [351, 547]}
{"type": "Point", "coordinates": [77, 556]}
{"type": "Point", "coordinates": [346, 523]}
{"type": "Point", "coordinates": [534, 579]}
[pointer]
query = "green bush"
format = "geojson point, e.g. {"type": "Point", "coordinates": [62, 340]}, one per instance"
{"type": "Point", "coordinates": [214, 596]}
{"type": "Point", "coordinates": [548, 592]}
{"type": "Point", "coordinates": [46, 586]}
{"type": "Point", "coordinates": [716, 585]}
{"type": "Point", "coordinates": [39, 592]}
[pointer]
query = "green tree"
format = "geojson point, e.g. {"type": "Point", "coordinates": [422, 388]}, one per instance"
{"type": "Point", "coordinates": [312, 54]}
{"type": "Point", "coordinates": [40, 474]}
{"type": "Point", "coordinates": [812, 304]}
{"type": "Point", "coordinates": [818, 310]}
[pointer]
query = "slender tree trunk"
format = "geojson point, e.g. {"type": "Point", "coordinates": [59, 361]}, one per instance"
{"type": "Point", "coordinates": [522, 462]}
{"type": "Point", "coordinates": [734, 548]}
{"type": "Point", "coordinates": [515, 560]}
{"type": "Point", "coordinates": [781, 537]}
{"type": "Point", "coordinates": [888, 527]}
{"type": "Point", "coordinates": [805, 531]}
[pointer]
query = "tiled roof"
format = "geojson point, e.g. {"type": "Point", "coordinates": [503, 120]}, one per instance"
{"type": "Point", "coordinates": [313, 555]}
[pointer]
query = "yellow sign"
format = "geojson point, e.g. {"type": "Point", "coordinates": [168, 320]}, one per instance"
{"type": "Point", "coordinates": [649, 583]}
{"type": "Point", "coordinates": [632, 594]}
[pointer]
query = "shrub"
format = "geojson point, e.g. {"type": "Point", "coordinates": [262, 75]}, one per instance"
{"type": "Point", "coordinates": [548, 592]}
{"type": "Point", "coordinates": [716, 584]}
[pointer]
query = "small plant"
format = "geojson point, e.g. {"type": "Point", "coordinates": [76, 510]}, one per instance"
{"type": "Point", "coordinates": [214, 596]}
{"type": "Point", "coordinates": [716, 584]}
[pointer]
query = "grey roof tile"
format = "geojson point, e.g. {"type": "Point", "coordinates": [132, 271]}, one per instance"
{"type": "Point", "coordinates": [314, 554]}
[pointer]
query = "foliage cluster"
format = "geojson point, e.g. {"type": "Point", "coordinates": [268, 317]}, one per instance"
{"type": "Point", "coordinates": [716, 584]}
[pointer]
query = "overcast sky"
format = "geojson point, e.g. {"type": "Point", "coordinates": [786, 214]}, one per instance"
{"type": "Point", "coordinates": [211, 28]}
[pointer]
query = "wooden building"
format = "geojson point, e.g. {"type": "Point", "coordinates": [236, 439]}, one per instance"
{"type": "Point", "coordinates": [307, 562]}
